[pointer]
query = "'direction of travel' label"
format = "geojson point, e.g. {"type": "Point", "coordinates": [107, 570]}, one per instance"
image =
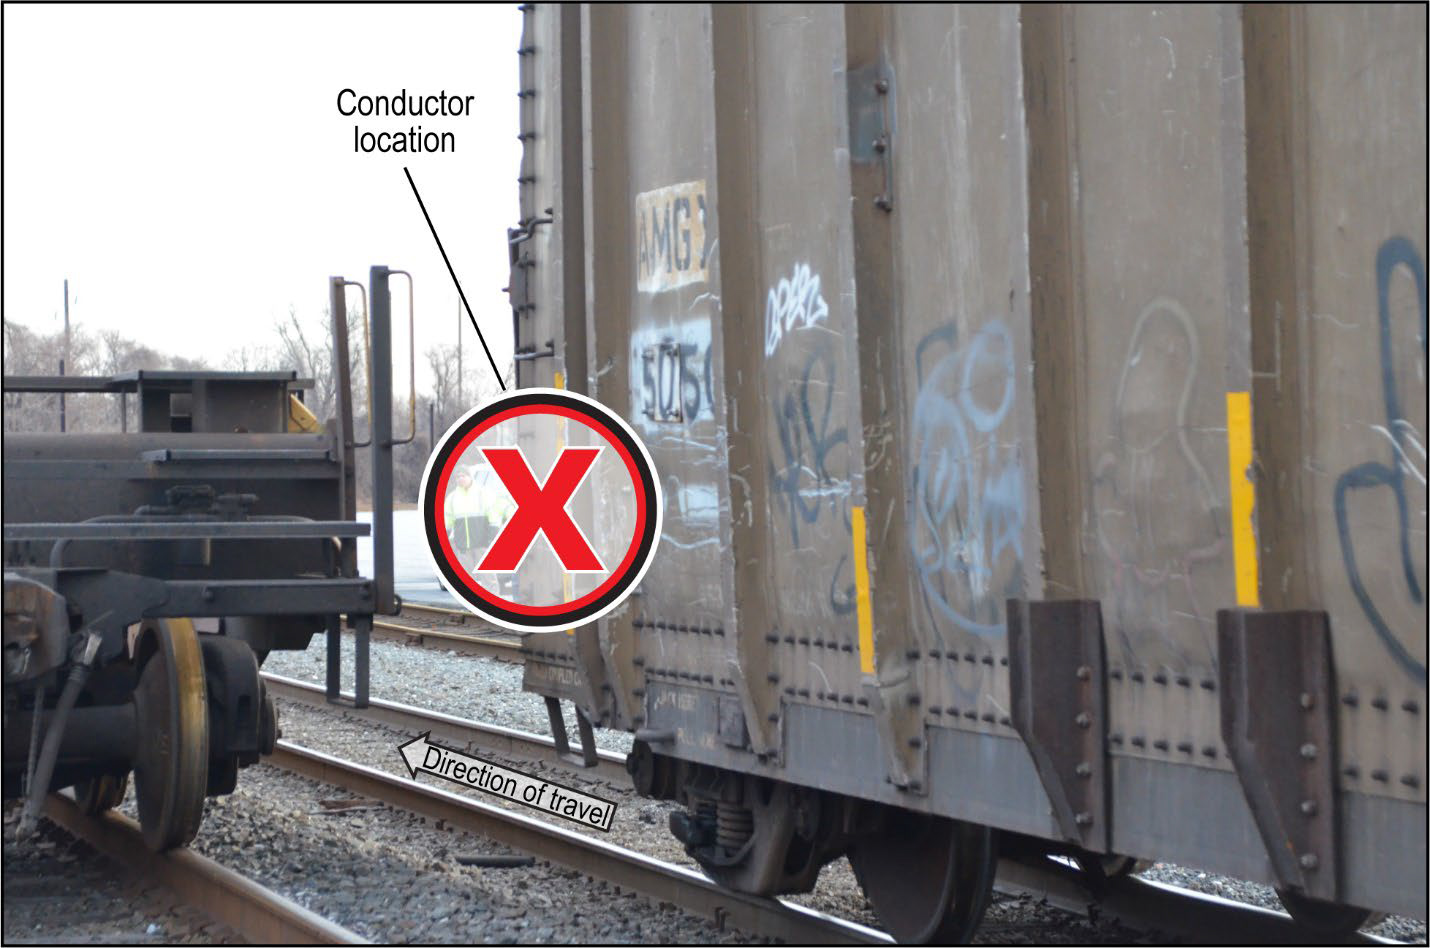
{"type": "Point", "coordinates": [421, 755]}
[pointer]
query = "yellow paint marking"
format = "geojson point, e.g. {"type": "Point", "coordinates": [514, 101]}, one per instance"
{"type": "Point", "coordinates": [560, 381]}
{"type": "Point", "coordinates": [861, 592]}
{"type": "Point", "coordinates": [1243, 498]}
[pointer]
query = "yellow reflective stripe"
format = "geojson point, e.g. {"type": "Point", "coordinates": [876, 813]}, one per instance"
{"type": "Point", "coordinates": [1243, 498]}
{"type": "Point", "coordinates": [861, 592]}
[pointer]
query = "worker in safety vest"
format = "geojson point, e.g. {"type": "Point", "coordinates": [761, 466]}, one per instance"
{"type": "Point", "coordinates": [475, 511]}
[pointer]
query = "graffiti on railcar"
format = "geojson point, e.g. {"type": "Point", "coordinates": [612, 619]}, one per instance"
{"type": "Point", "coordinates": [795, 302]}
{"type": "Point", "coordinates": [968, 506]}
{"type": "Point", "coordinates": [673, 244]}
{"type": "Point", "coordinates": [1405, 470]}
{"type": "Point", "coordinates": [673, 376]}
{"type": "Point", "coordinates": [1157, 514]}
{"type": "Point", "coordinates": [809, 434]}
{"type": "Point", "coordinates": [809, 463]}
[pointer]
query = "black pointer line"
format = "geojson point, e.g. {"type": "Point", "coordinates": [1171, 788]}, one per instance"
{"type": "Point", "coordinates": [480, 337]}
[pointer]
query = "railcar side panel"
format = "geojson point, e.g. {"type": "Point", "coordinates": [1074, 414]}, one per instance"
{"type": "Point", "coordinates": [923, 309]}
{"type": "Point", "coordinates": [1336, 149]}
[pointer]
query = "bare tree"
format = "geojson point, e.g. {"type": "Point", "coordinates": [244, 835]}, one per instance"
{"type": "Point", "coordinates": [476, 385]}
{"type": "Point", "coordinates": [105, 353]}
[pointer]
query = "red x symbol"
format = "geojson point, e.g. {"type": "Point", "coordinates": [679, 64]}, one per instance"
{"type": "Point", "coordinates": [541, 508]}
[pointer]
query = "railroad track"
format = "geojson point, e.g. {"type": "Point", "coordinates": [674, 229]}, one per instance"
{"type": "Point", "coordinates": [459, 616]}
{"type": "Point", "coordinates": [257, 914]}
{"type": "Point", "coordinates": [1140, 904]}
{"type": "Point", "coordinates": [477, 637]}
{"type": "Point", "coordinates": [625, 868]}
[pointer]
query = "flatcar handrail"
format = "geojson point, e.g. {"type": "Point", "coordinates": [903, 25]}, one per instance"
{"type": "Point", "coordinates": [189, 530]}
{"type": "Point", "coordinates": [367, 356]}
{"type": "Point", "coordinates": [411, 358]}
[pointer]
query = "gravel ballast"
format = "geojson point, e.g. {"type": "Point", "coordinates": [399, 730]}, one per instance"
{"type": "Point", "coordinates": [395, 877]}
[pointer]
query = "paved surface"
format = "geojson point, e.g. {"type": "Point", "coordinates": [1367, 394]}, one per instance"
{"type": "Point", "coordinates": [413, 576]}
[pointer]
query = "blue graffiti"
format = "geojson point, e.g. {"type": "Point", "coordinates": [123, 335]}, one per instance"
{"type": "Point", "coordinates": [1396, 252]}
{"type": "Point", "coordinates": [808, 435]}
{"type": "Point", "coordinates": [968, 500]}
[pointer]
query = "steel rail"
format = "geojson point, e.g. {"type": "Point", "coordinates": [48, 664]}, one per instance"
{"type": "Point", "coordinates": [449, 728]}
{"type": "Point", "coordinates": [501, 649]}
{"type": "Point", "coordinates": [461, 614]}
{"type": "Point", "coordinates": [259, 915]}
{"type": "Point", "coordinates": [596, 858]}
{"type": "Point", "coordinates": [1140, 904]}
{"type": "Point", "coordinates": [1153, 907]}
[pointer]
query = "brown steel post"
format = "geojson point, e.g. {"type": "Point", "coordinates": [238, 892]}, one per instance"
{"type": "Point", "coordinates": [742, 364]}
{"type": "Point", "coordinates": [890, 681]}
{"type": "Point", "coordinates": [342, 366]}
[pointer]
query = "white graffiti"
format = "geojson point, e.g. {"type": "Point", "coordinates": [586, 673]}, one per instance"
{"type": "Point", "coordinates": [794, 303]}
{"type": "Point", "coordinates": [1406, 460]}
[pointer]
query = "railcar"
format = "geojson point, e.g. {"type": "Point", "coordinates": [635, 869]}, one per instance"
{"type": "Point", "coordinates": [1038, 395]}
{"type": "Point", "coordinates": [149, 573]}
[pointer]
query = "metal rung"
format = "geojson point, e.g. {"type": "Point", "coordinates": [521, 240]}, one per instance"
{"type": "Point", "coordinates": [165, 455]}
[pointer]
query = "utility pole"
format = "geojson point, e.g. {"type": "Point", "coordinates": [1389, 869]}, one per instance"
{"type": "Point", "coordinates": [66, 356]}
{"type": "Point", "coordinates": [461, 404]}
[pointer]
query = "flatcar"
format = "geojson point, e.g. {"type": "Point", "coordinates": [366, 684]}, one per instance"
{"type": "Point", "coordinates": [149, 573]}
{"type": "Point", "coordinates": [1038, 394]}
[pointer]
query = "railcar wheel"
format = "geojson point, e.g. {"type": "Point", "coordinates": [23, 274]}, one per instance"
{"type": "Point", "coordinates": [99, 794]}
{"type": "Point", "coordinates": [171, 767]}
{"type": "Point", "coordinates": [1328, 919]}
{"type": "Point", "coordinates": [928, 878]}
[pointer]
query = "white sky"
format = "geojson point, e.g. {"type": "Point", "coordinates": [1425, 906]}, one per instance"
{"type": "Point", "coordinates": [188, 171]}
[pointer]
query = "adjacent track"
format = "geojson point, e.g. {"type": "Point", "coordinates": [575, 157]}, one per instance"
{"type": "Point", "coordinates": [1140, 904]}
{"type": "Point", "coordinates": [460, 616]}
{"type": "Point", "coordinates": [482, 640]}
{"type": "Point", "coordinates": [257, 914]}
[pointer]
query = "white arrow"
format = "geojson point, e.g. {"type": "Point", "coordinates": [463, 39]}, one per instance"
{"type": "Point", "coordinates": [413, 751]}
{"type": "Point", "coordinates": [420, 754]}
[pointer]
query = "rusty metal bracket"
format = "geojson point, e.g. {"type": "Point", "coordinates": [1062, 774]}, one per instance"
{"type": "Point", "coordinates": [871, 124]}
{"type": "Point", "coordinates": [1279, 723]}
{"type": "Point", "coordinates": [1058, 687]}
